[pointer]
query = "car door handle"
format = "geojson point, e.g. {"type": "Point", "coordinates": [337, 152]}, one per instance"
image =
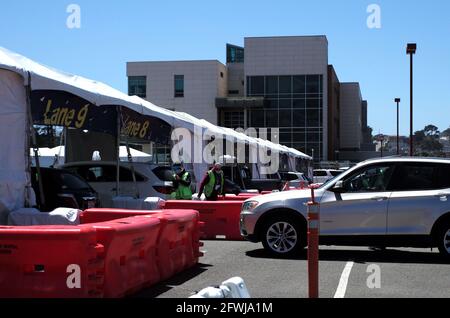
{"type": "Point", "coordinates": [379, 199]}
{"type": "Point", "coordinates": [442, 195]}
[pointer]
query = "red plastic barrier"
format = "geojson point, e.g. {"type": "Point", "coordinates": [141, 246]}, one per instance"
{"type": "Point", "coordinates": [130, 248]}
{"type": "Point", "coordinates": [178, 239]}
{"type": "Point", "coordinates": [50, 261]}
{"type": "Point", "coordinates": [105, 215]}
{"type": "Point", "coordinates": [178, 243]}
{"type": "Point", "coordinates": [221, 218]}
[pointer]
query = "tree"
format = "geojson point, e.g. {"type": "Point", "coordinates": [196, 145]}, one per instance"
{"type": "Point", "coordinates": [432, 131]}
{"type": "Point", "coordinates": [446, 133]}
{"type": "Point", "coordinates": [426, 141]}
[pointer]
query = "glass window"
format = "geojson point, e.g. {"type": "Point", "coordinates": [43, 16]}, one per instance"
{"type": "Point", "coordinates": [233, 119]}
{"type": "Point", "coordinates": [299, 135]}
{"type": "Point", "coordinates": [320, 173]}
{"type": "Point", "coordinates": [69, 181]}
{"type": "Point", "coordinates": [335, 173]}
{"type": "Point", "coordinates": [313, 84]}
{"type": "Point", "coordinates": [444, 176]}
{"type": "Point", "coordinates": [299, 84]}
{"type": "Point", "coordinates": [256, 118]}
{"type": "Point", "coordinates": [285, 103]}
{"type": "Point", "coordinates": [298, 103]}
{"type": "Point", "coordinates": [235, 54]}
{"type": "Point", "coordinates": [179, 85]}
{"type": "Point", "coordinates": [313, 137]}
{"type": "Point", "coordinates": [271, 103]}
{"type": "Point", "coordinates": [285, 118]}
{"type": "Point", "coordinates": [285, 138]}
{"type": "Point", "coordinates": [312, 118]}
{"type": "Point", "coordinates": [137, 85]}
{"type": "Point", "coordinates": [256, 85]}
{"type": "Point", "coordinates": [271, 118]}
{"type": "Point", "coordinates": [285, 83]}
{"type": "Point", "coordinates": [271, 85]}
{"type": "Point", "coordinates": [415, 177]}
{"type": "Point", "coordinates": [298, 118]}
{"type": "Point", "coordinates": [312, 103]}
{"type": "Point", "coordinates": [369, 179]}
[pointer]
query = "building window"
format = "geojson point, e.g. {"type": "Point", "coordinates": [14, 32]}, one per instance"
{"type": "Point", "coordinates": [233, 119]}
{"type": "Point", "coordinates": [294, 103]}
{"type": "Point", "coordinates": [179, 85]}
{"type": "Point", "coordinates": [137, 85]}
{"type": "Point", "coordinates": [235, 54]}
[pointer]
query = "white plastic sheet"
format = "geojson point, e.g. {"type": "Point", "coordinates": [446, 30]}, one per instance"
{"type": "Point", "coordinates": [13, 157]}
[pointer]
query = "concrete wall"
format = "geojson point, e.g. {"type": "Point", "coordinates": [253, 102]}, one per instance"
{"type": "Point", "coordinates": [351, 126]}
{"type": "Point", "coordinates": [202, 84]}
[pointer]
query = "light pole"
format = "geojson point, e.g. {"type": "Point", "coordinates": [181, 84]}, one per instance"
{"type": "Point", "coordinates": [411, 50]}
{"type": "Point", "coordinates": [397, 100]}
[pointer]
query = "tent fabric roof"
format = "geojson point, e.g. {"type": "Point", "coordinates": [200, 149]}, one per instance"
{"type": "Point", "coordinates": [44, 77]}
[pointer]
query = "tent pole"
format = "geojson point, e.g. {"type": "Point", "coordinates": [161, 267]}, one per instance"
{"type": "Point", "coordinates": [130, 159]}
{"type": "Point", "coordinates": [118, 152]}
{"type": "Point", "coordinates": [133, 173]}
{"type": "Point", "coordinates": [32, 132]}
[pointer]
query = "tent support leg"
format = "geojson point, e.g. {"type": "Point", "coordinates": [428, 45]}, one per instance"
{"type": "Point", "coordinates": [34, 144]}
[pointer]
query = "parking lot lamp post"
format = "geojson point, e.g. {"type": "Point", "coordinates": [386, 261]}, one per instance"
{"type": "Point", "coordinates": [397, 100]}
{"type": "Point", "coordinates": [411, 50]}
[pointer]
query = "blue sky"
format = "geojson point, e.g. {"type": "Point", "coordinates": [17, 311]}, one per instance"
{"type": "Point", "coordinates": [114, 32]}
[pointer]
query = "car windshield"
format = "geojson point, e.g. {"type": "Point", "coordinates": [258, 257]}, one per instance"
{"type": "Point", "coordinates": [328, 182]}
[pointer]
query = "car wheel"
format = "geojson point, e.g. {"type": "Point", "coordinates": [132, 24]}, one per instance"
{"type": "Point", "coordinates": [443, 240]}
{"type": "Point", "coordinates": [282, 236]}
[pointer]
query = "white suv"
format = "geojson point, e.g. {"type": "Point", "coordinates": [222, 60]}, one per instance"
{"type": "Point", "coordinates": [151, 180]}
{"type": "Point", "coordinates": [394, 202]}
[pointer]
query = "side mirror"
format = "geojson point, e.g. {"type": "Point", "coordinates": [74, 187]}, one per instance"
{"type": "Point", "coordinates": [339, 187]}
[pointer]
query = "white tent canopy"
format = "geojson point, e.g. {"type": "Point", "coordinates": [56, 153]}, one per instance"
{"type": "Point", "coordinates": [43, 77]}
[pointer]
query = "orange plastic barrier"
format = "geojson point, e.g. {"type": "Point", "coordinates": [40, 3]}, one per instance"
{"type": "Point", "coordinates": [178, 244]}
{"type": "Point", "coordinates": [130, 248]}
{"type": "Point", "coordinates": [105, 215]}
{"type": "Point", "coordinates": [178, 239]}
{"type": "Point", "coordinates": [221, 218]}
{"type": "Point", "coordinates": [50, 261]}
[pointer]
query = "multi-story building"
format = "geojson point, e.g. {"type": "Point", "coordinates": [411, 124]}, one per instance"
{"type": "Point", "coordinates": [271, 82]}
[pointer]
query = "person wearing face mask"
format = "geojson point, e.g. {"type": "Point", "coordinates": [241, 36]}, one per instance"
{"type": "Point", "coordinates": [213, 183]}
{"type": "Point", "coordinates": [181, 183]}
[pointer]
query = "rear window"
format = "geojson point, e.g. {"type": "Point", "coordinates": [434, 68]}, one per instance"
{"type": "Point", "coordinates": [444, 176]}
{"type": "Point", "coordinates": [416, 177]}
{"type": "Point", "coordinates": [163, 173]}
{"type": "Point", "coordinates": [68, 181]}
{"type": "Point", "coordinates": [320, 174]}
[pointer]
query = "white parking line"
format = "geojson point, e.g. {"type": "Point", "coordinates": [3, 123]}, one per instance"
{"type": "Point", "coordinates": [340, 292]}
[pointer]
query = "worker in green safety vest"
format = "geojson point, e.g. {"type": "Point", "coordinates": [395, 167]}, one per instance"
{"type": "Point", "coordinates": [181, 183]}
{"type": "Point", "coordinates": [213, 183]}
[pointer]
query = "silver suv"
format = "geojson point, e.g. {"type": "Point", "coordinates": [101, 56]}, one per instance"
{"type": "Point", "coordinates": [393, 202]}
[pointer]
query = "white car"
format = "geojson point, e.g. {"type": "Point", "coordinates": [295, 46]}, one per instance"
{"type": "Point", "coordinates": [394, 202]}
{"type": "Point", "coordinates": [321, 176]}
{"type": "Point", "coordinates": [151, 180]}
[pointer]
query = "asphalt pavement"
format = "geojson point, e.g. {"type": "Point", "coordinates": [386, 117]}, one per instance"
{"type": "Point", "coordinates": [344, 272]}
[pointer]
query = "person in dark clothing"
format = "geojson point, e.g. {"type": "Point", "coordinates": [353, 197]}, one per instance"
{"type": "Point", "coordinates": [213, 183]}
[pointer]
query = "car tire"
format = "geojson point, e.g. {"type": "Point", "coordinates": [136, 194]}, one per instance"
{"type": "Point", "coordinates": [282, 236]}
{"type": "Point", "coordinates": [443, 240]}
